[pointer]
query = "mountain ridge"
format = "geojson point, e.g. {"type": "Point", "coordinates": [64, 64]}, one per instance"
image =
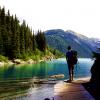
{"type": "Point", "coordinates": [60, 39]}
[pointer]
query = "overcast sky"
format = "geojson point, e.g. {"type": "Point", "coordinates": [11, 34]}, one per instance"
{"type": "Point", "coordinates": [81, 16]}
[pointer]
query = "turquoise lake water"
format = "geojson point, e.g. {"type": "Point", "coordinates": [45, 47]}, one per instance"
{"type": "Point", "coordinates": [15, 81]}
{"type": "Point", "coordinates": [45, 69]}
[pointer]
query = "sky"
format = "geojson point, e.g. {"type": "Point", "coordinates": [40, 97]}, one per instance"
{"type": "Point", "coordinates": [81, 16]}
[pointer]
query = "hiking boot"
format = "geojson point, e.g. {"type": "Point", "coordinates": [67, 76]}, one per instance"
{"type": "Point", "coordinates": [69, 81]}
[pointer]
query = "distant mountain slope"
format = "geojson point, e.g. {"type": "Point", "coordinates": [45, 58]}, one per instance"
{"type": "Point", "coordinates": [60, 39]}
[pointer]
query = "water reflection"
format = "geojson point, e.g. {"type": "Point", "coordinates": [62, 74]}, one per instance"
{"type": "Point", "coordinates": [45, 69]}
{"type": "Point", "coordinates": [9, 72]}
{"type": "Point", "coordinates": [17, 79]}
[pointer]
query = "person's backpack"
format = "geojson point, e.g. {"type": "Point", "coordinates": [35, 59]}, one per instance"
{"type": "Point", "coordinates": [74, 57]}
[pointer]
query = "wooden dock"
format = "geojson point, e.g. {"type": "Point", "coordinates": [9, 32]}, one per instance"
{"type": "Point", "coordinates": [71, 91]}
{"type": "Point", "coordinates": [55, 90]}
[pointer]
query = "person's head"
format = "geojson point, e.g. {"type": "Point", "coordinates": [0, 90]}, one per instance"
{"type": "Point", "coordinates": [69, 47]}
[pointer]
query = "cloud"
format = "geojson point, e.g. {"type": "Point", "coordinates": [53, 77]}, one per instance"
{"type": "Point", "coordinates": [79, 15]}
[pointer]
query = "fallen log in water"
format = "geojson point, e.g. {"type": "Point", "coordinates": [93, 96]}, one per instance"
{"type": "Point", "coordinates": [57, 76]}
{"type": "Point", "coordinates": [48, 80]}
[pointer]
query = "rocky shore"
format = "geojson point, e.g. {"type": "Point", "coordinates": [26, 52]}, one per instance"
{"type": "Point", "coordinates": [30, 61]}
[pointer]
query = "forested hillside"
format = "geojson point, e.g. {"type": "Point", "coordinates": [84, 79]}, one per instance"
{"type": "Point", "coordinates": [18, 39]}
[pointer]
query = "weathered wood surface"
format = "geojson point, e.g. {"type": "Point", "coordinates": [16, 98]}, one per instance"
{"type": "Point", "coordinates": [71, 91]}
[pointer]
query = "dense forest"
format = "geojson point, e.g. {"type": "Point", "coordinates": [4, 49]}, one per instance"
{"type": "Point", "coordinates": [18, 39]}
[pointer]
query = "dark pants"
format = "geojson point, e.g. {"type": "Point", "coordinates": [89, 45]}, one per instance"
{"type": "Point", "coordinates": [71, 70]}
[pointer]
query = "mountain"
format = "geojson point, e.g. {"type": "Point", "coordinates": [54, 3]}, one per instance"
{"type": "Point", "coordinates": [60, 39]}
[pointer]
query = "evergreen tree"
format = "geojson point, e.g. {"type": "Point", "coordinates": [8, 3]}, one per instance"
{"type": "Point", "coordinates": [15, 38]}
{"type": "Point", "coordinates": [44, 42]}
{"type": "Point", "coordinates": [17, 33]}
{"type": "Point", "coordinates": [34, 42]}
{"type": "Point", "coordinates": [3, 30]}
{"type": "Point", "coordinates": [22, 38]}
{"type": "Point", "coordinates": [41, 41]}
{"type": "Point", "coordinates": [1, 40]}
{"type": "Point", "coordinates": [8, 35]}
{"type": "Point", "coordinates": [0, 9]}
{"type": "Point", "coordinates": [28, 40]}
{"type": "Point", "coordinates": [3, 20]}
{"type": "Point", "coordinates": [1, 43]}
{"type": "Point", "coordinates": [12, 38]}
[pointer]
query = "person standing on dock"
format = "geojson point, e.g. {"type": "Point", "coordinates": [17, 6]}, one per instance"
{"type": "Point", "coordinates": [71, 58]}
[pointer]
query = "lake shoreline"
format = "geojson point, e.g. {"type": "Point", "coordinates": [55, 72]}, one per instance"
{"type": "Point", "coordinates": [30, 61]}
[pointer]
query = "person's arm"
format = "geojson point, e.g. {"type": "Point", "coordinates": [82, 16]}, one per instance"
{"type": "Point", "coordinates": [66, 56]}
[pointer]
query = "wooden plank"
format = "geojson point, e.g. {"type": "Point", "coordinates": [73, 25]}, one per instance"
{"type": "Point", "coordinates": [71, 91]}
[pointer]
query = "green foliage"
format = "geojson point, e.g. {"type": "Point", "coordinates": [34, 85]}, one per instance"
{"type": "Point", "coordinates": [18, 41]}
{"type": "Point", "coordinates": [8, 35]}
{"type": "Point", "coordinates": [57, 42]}
{"type": "Point", "coordinates": [22, 38]}
{"type": "Point", "coordinates": [15, 44]}
{"type": "Point", "coordinates": [36, 55]}
{"type": "Point", "coordinates": [3, 58]}
{"type": "Point", "coordinates": [3, 31]}
{"type": "Point", "coordinates": [15, 39]}
{"type": "Point", "coordinates": [41, 41]}
{"type": "Point", "coordinates": [56, 52]}
{"type": "Point", "coordinates": [1, 44]}
{"type": "Point", "coordinates": [34, 42]}
{"type": "Point", "coordinates": [25, 56]}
